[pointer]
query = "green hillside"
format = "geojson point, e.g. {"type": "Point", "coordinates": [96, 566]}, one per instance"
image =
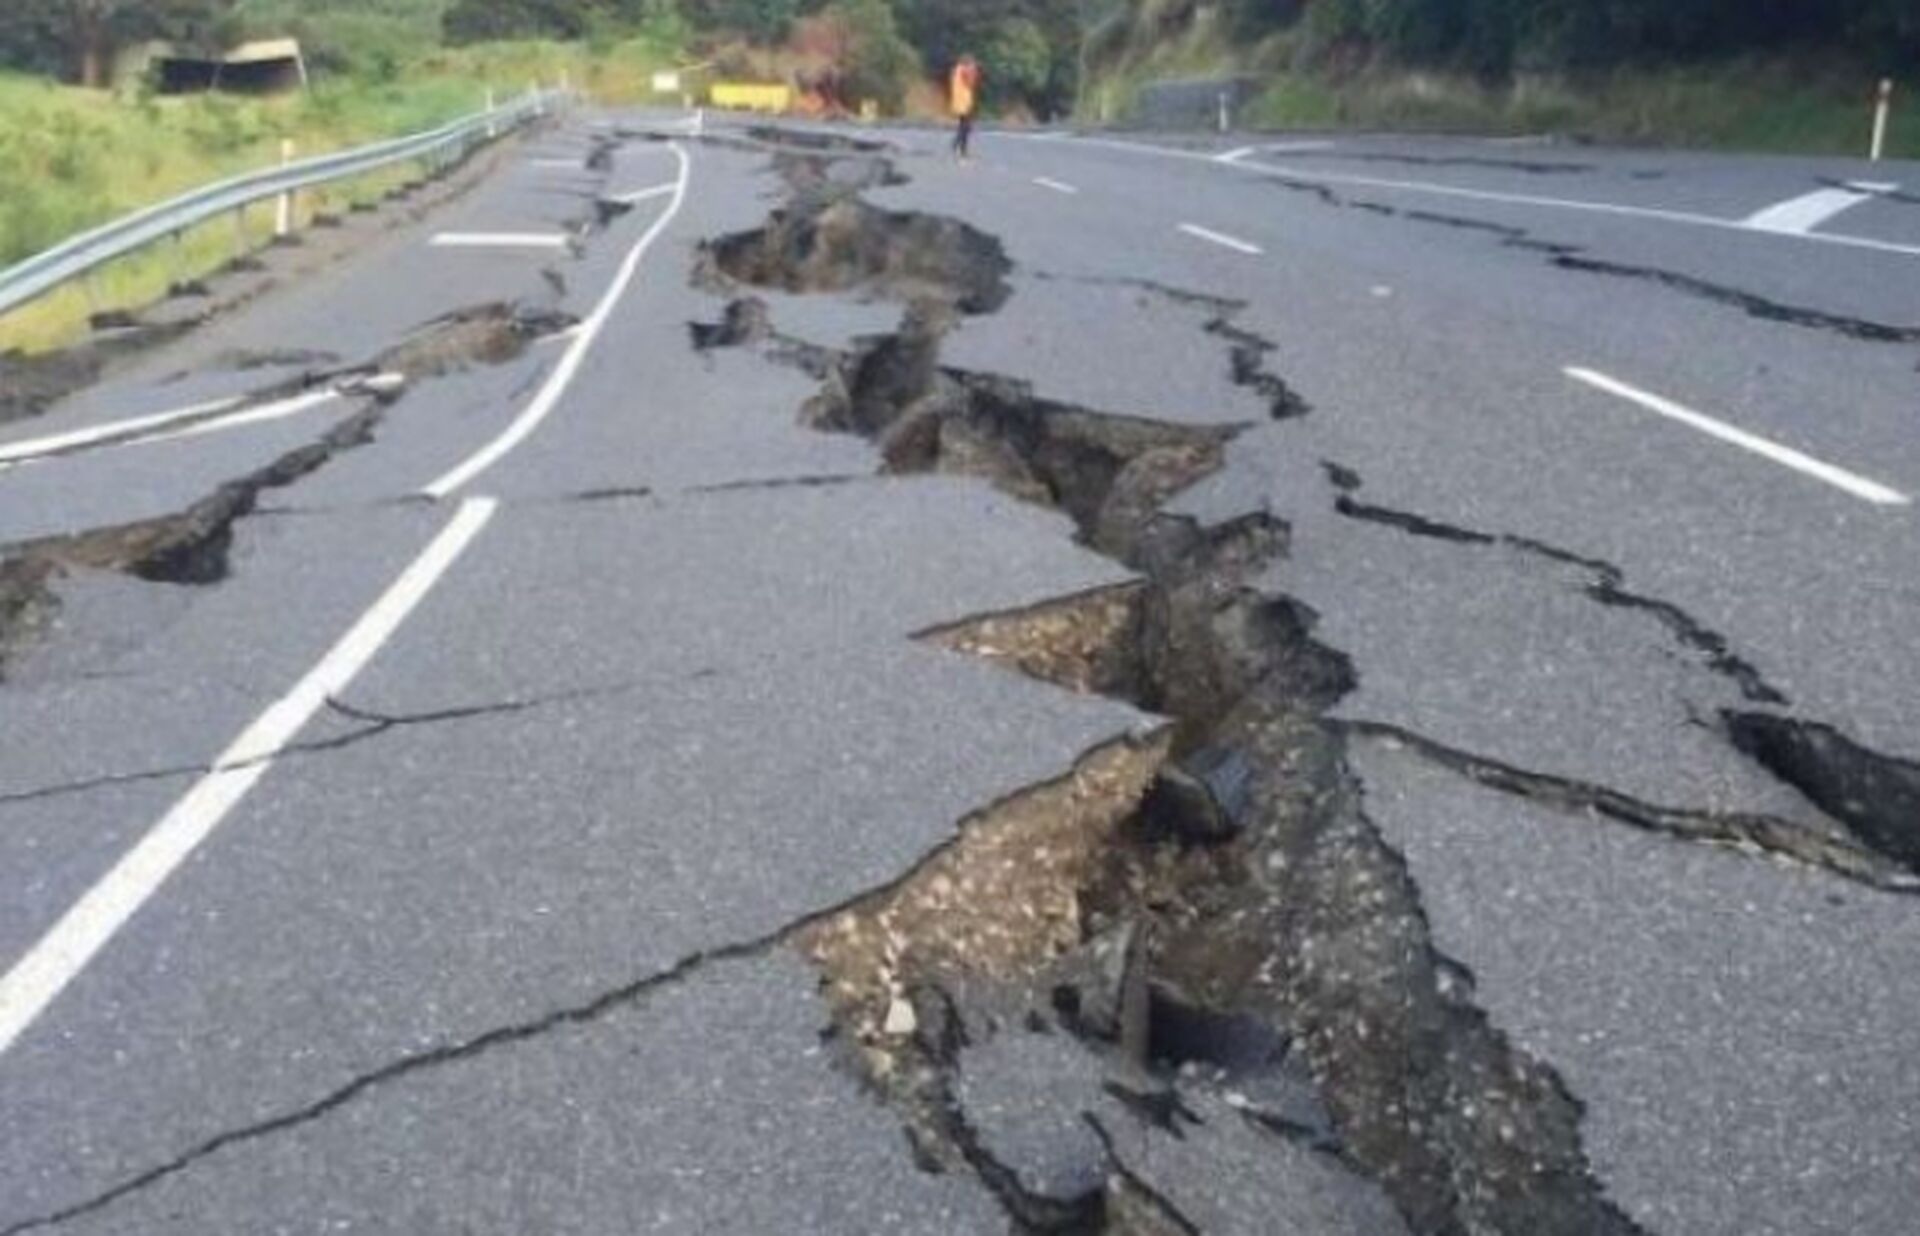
{"type": "Point", "coordinates": [1790, 76]}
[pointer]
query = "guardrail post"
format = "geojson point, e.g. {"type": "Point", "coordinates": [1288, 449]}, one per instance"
{"type": "Point", "coordinates": [283, 212]}
{"type": "Point", "coordinates": [1883, 103]}
{"type": "Point", "coordinates": [177, 259]}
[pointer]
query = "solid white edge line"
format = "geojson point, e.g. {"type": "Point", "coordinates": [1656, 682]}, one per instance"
{"type": "Point", "coordinates": [1222, 239]}
{"type": "Point", "coordinates": [30, 448]}
{"type": "Point", "coordinates": [499, 240]}
{"type": "Point", "coordinates": [38, 978]}
{"type": "Point", "coordinates": [548, 396]}
{"type": "Point", "coordinates": [1234, 156]}
{"type": "Point", "coordinates": [246, 416]}
{"type": "Point", "coordinates": [1516, 199]}
{"type": "Point", "coordinates": [1058, 186]}
{"type": "Point", "coordinates": [1806, 212]}
{"type": "Point", "coordinates": [1839, 478]}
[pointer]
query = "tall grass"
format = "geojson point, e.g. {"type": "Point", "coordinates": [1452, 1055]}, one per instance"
{"type": "Point", "coordinates": [1814, 105]}
{"type": "Point", "coordinates": [1750, 106]}
{"type": "Point", "coordinates": [71, 159]}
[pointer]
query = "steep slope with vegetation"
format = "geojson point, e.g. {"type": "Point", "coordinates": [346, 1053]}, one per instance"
{"type": "Point", "coordinates": [1794, 75]}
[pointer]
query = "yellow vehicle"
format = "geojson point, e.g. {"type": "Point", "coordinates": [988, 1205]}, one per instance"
{"type": "Point", "coordinates": [752, 96]}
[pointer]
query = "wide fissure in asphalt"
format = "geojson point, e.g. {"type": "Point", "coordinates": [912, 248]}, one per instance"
{"type": "Point", "coordinates": [1237, 858]}
{"type": "Point", "coordinates": [1240, 876]}
{"type": "Point", "coordinates": [191, 546]}
{"type": "Point", "coordinates": [31, 384]}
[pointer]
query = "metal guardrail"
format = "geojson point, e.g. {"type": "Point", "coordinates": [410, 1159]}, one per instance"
{"type": "Point", "coordinates": [44, 272]}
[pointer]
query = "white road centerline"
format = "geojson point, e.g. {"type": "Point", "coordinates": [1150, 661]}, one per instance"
{"type": "Point", "coordinates": [1058, 186]}
{"type": "Point", "coordinates": [1222, 239]}
{"type": "Point", "coordinates": [66, 949]}
{"type": "Point", "coordinates": [549, 395]}
{"type": "Point", "coordinates": [1808, 211]}
{"type": "Point", "coordinates": [1839, 478]}
{"type": "Point", "coordinates": [640, 195]}
{"type": "Point", "coordinates": [500, 240]}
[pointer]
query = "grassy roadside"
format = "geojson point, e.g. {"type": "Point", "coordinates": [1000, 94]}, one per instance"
{"type": "Point", "coordinates": [1745, 104]}
{"type": "Point", "coordinates": [1742, 107]}
{"type": "Point", "coordinates": [71, 159]}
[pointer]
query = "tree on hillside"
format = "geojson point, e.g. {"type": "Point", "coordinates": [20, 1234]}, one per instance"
{"type": "Point", "coordinates": [479, 21]}
{"type": "Point", "coordinates": [945, 30]}
{"type": "Point", "coordinates": [876, 62]}
{"type": "Point", "coordinates": [80, 38]}
{"type": "Point", "coordinates": [762, 21]}
{"type": "Point", "coordinates": [1018, 62]}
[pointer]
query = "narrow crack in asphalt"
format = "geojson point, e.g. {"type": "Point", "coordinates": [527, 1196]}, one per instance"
{"type": "Point", "coordinates": [31, 384]}
{"type": "Point", "coordinates": [372, 725]}
{"type": "Point", "coordinates": [188, 548]}
{"type": "Point", "coordinates": [1535, 167]}
{"type": "Point", "coordinates": [1882, 862]}
{"type": "Point", "coordinates": [1607, 585]}
{"type": "Point", "coordinates": [191, 546]}
{"type": "Point", "coordinates": [1249, 354]}
{"type": "Point", "coordinates": [1161, 1217]}
{"type": "Point", "coordinates": [1576, 258]}
{"type": "Point", "coordinates": [1875, 797]}
{"type": "Point", "coordinates": [586, 1012]}
{"type": "Point", "coordinates": [1280, 900]}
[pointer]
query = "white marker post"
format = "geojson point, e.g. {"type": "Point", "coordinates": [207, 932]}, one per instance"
{"type": "Point", "coordinates": [492, 132]}
{"type": "Point", "coordinates": [1881, 107]}
{"type": "Point", "coordinates": [1226, 118]}
{"type": "Point", "coordinates": [283, 216]}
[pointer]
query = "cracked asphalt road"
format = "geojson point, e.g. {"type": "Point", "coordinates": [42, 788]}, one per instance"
{"type": "Point", "coordinates": [501, 933]}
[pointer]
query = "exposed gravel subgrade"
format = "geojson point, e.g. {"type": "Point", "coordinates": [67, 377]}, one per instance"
{"type": "Point", "coordinates": [1245, 875]}
{"type": "Point", "coordinates": [490, 334]}
{"type": "Point", "coordinates": [1293, 914]}
{"type": "Point", "coordinates": [828, 239]}
{"type": "Point", "coordinates": [798, 934]}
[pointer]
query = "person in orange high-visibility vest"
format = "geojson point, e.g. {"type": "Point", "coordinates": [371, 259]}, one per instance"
{"type": "Point", "coordinates": [963, 92]}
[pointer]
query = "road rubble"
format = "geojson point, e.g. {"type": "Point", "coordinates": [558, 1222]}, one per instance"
{"type": "Point", "coordinates": [1062, 1005]}
{"type": "Point", "coordinates": [1299, 954]}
